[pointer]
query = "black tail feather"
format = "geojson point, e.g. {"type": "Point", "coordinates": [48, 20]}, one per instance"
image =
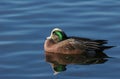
{"type": "Point", "coordinates": [107, 47]}
{"type": "Point", "coordinates": [102, 48]}
{"type": "Point", "coordinates": [101, 42]}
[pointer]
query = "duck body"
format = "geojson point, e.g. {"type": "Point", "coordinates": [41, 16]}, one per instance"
{"type": "Point", "coordinates": [59, 43]}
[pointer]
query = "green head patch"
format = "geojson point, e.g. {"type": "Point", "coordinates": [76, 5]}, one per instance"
{"type": "Point", "coordinates": [59, 34]}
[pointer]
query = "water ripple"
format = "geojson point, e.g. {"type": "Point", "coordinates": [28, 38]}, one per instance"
{"type": "Point", "coordinates": [26, 24]}
{"type": "Point", "coordinates": [20, 53]}
{"type": "Point", "coordinates": [21, 32]}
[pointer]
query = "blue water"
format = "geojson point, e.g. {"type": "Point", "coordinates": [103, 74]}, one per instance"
{"type": "Point", "coordinates": [25, 24]}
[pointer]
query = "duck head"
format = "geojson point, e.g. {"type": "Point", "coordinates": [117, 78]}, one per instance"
{"type": "Point", "coordinates": [57, 35]}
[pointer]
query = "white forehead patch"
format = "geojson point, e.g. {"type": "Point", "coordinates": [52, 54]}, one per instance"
{"type": "Point", "coordinates": [56, 29]}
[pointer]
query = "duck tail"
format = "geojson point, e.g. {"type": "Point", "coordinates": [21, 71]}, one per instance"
{"type": "Point", "coordinates": [106, 47]}
{"type": "Point", "coordinates": [101, 41]}
{"type": "Point", "coordinates": [102, 47]}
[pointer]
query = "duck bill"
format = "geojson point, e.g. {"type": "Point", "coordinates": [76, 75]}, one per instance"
{"type": "Point", "coordinates": [48, 37]}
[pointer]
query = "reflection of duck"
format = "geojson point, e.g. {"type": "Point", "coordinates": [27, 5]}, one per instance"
{"type": "Point", "coordinates": [60, 61]}
{"type": "Point", "coordinates": [58, 42]}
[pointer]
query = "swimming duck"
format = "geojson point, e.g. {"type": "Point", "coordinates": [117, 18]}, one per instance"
{"type": "Point", "coordinates": [59, 42]}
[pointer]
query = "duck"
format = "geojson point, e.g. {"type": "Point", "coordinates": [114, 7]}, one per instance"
{"type": "Point", "coordinates": [59, 42]}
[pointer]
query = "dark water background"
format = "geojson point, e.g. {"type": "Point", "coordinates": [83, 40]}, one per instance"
{"type": "Point", "coordinates": [25, 24]}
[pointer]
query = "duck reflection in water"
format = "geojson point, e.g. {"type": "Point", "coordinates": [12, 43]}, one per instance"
{"type": "Point", "coordinates": [62, 50]}
{"type": "Point", "coordinates": [60, 61]}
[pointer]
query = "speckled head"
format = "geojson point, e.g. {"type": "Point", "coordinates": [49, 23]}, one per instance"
{"type": "Point", "coordinates": [57, 35]}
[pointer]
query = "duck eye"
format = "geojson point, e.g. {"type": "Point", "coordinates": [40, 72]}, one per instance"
{"type": "Point", "coordinates": [54, 33]}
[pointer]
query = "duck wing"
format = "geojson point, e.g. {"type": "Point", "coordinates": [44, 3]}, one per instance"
{"type": "Point", "coordinates": [76, 44]}
{"type": "Point", "coordinates": [79, 46]}
{"type": "Point", "coordinates": [92, 44]}
{"type": "Point", "coordinates": [101, 42]}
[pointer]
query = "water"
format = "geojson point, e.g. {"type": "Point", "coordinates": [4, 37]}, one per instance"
{"type": "Point", "coordinates": [25, 24]}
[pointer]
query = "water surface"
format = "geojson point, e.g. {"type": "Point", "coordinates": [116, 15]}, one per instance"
{"type": "Point", "coordinates": [24, 26]}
